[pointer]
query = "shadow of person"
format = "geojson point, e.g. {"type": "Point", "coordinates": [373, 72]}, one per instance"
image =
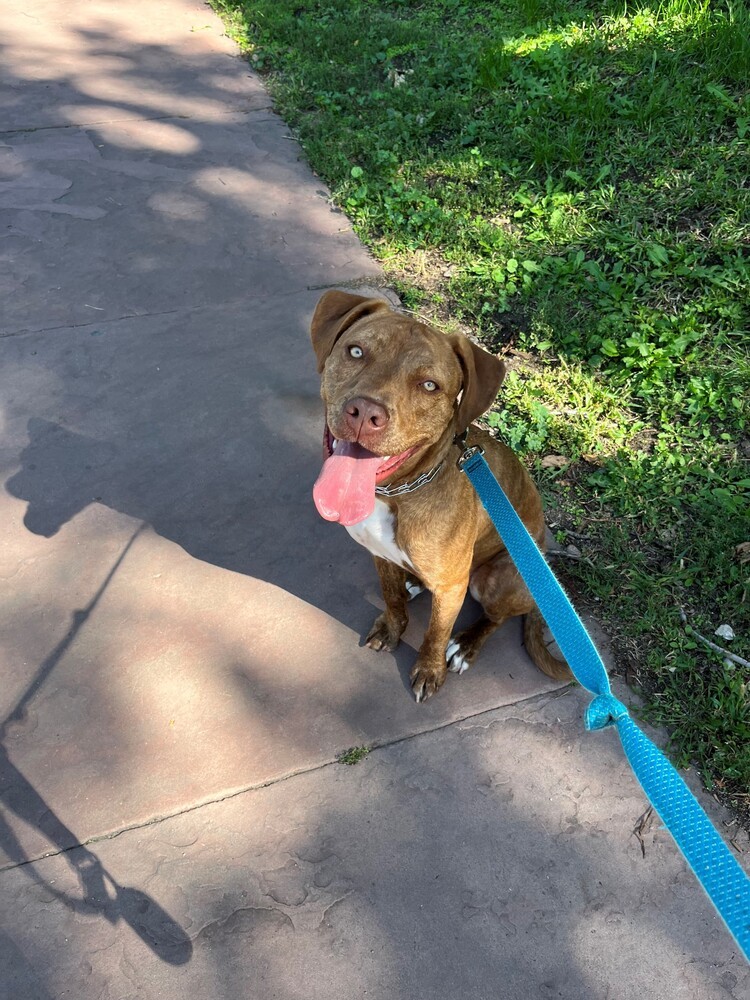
{"type": "Point", "coordinates": [59, 475]}
{"type": "Point", "coordinates": [249, 516]}
{"type": "Point", "coordinates": [238, 500]}
{"type": "Point", "coordinates": [101, 894]}
{"type": "Point", "coordinates": [20, 973]}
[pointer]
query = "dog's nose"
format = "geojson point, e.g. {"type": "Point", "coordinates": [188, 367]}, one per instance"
{"type": "Point", "coordinates": [365, 416]}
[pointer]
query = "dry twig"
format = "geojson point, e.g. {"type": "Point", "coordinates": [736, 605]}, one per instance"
{"type": "Point", "coordinates": [570, 555]}
{"type": "Point", "coordinates": [712, 645]}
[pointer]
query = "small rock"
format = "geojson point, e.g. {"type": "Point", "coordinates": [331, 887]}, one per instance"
{"type": "Point", "coordinates": [725, 632]}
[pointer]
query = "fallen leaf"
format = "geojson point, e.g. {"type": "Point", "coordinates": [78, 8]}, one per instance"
{"type": "Point", "coordinates": [742, 551]}
{"type": "Point", "coordinates": [555, 462]}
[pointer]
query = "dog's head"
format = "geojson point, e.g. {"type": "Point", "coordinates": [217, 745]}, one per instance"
{"type": "Point", "coordinates": [393, 388]}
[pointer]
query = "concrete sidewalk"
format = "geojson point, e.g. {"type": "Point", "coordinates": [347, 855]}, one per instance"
{"type": "Point", "coordinates": [181, 657]}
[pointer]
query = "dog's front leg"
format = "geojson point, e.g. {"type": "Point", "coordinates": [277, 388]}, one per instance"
{"type": "Point", "coordinates": [388, 628]}
{"type": "Point", "coordinates": [430, 669]}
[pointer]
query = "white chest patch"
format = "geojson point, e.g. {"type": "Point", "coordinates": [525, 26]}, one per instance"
{"type": "Point", "coordinates": [376, 534]}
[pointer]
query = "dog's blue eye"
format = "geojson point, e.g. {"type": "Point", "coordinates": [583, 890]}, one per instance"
{"type": "Point", "coordinates": [356, 351]}
{"type": "Point", "coordinates": [429, 385]}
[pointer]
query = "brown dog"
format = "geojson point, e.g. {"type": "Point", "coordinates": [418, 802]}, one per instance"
{"type": "Point", "coordinates": [396, 394]}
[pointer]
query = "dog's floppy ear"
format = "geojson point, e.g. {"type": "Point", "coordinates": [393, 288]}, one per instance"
{"type": "Point", "coordinates": [335, 313]}
{"type": "Point", "coordinates": [483, 374]}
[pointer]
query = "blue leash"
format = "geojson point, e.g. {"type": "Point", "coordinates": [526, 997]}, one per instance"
{"type": "Point", "coordinates": [718, 872]}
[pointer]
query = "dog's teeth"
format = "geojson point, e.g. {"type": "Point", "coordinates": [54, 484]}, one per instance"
{"type": "Point", "coordinates": [334, 443]}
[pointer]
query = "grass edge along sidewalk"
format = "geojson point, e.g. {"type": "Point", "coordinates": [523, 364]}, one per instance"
{"type": "Point", "coordinates": [569, 184]}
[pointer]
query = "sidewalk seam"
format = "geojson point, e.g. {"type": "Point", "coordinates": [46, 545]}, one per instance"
{"type": "Point", "coordinates": [7, 335]}
{"type": "Point", "coordinates": [155, 820]}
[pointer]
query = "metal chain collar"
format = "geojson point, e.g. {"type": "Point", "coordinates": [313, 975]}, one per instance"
{"type": "Point", "coordinates": [397, 491]}
{"type": "Point", "coordinates": [427, 477]}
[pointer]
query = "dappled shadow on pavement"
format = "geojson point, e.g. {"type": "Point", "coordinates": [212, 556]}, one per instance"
{"type": "Point", "coordinates": [175, 239]}
{"type": "Point", "coordinates": [170, 267]}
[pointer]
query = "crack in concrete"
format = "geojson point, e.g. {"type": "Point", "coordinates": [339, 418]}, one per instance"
{"type": "Point", "coordinates": [80, 326]}
{"type": "Point", "coordinates": [541, 699]}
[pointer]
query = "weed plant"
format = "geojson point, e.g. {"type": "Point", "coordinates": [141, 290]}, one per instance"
{"type": "Point", "coordinates": [569, 182]}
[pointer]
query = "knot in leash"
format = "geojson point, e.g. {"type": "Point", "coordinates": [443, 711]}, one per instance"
{"type": "Point", "coordinates": [604, 710]}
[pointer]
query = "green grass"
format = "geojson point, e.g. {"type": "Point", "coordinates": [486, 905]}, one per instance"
{"type": "Point", "coordinates": [569, 181]}
{"type": "Point", "coordinates": [353, 756]}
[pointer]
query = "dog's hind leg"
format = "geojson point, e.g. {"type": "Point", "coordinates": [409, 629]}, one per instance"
{"type": "Point", "coordinates": [497, 586]}
{"type": "Point", "coordinates": [464, 647]}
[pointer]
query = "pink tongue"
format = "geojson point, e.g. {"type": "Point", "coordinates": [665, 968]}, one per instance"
{"type": "Point", "coordinates": [345, 488]}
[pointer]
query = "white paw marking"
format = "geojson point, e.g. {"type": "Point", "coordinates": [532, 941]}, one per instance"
{"type": "Point", "coordinates": [456, 662]}
{"type": "Point", "coordinates": [413, 589]}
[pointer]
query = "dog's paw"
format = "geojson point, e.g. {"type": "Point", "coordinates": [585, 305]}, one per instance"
{"type": "Point", "coordinates": [426, 679]}
{"type": "Point", "coordinates": [457, 659]}
{"type": "Point", "coordinates": [413, 587]}
{"type": "Point", "coordinates": [384, 636]}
